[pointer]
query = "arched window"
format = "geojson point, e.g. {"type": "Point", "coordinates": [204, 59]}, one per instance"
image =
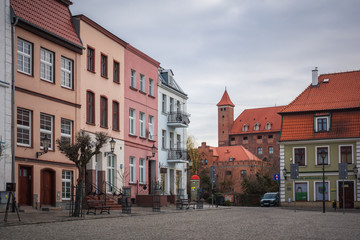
{"type": "Point", "coordinates": [245, 128]}
{"type": "Point", "coordinates": [256, 127]}
{"type": "Point", "coordinates": [268, 126]}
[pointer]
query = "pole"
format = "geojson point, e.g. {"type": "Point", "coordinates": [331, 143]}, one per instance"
{"type": "Point", "coordinates": [323, 186]}
{"type": "Point", "coordinates": [295, 198]}
{"type": "Point", "coordinates": [343, 196]}
{"type": "Point", "coordinates": [212, 193]}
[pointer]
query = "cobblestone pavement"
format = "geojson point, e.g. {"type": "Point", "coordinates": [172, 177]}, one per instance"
{"type": "Point", "coordinates": [210, 223]}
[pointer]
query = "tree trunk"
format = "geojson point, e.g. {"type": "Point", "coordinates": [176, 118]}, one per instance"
{"type": "Point", "coordinates": [79, 196]}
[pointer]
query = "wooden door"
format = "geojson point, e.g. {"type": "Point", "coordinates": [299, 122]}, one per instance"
{"type": "Point", "coordinates": [25, 185]}
{"type": "Point", "coordinates": [47, 187]}
{"type": "Point", "coordinates": [349, 194]}
{"type": "Point", "coordinates": [150, 178]}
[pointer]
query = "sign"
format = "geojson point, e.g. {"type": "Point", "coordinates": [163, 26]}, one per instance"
{"type": "Point", "coordinates": [212, 174]}
{"type": "Point", "coordinates": [276, 177]}
{"type": "Point", "coordinates": [343, 171]}
{"type": "Point", "coordinates": [294, 170]}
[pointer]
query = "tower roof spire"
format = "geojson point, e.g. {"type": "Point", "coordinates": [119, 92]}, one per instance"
{"type": "Point", "coordinates": [225, 100]}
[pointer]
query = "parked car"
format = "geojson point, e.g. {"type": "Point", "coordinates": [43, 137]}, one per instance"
{"type": "Point", "coordinates": [270, 199]}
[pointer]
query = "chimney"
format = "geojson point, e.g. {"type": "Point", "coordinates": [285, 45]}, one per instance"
{"type": "Point", "coordinates": [315, 77]}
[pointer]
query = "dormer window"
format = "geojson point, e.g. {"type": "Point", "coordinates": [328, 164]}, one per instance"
{"type": "Point", "coordinates": [322, 124]}
{"type": "Point", "coordinates": [257, 127]}
{"type": "Point", "coordinates": [245, 128]}
{"type": "Point", "coordinates": [268, 126]}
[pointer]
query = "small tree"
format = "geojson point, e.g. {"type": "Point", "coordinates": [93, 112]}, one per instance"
{"type": "Point", "coordinates": [81, 153]}
{"type": "Point", "coordinates": [193, 154]}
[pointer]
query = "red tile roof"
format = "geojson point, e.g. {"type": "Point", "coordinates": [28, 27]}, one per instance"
{"type": "Point", "coordinates": [49, 15]}
{"type": "Point", "coordinates": [236, 152]}
{"type": "Point", "coordinates": [225, 100]}
{"type": "Point", "coordinates": [261, 116]}
{"type": "Point", "coordinates": [340, 91]}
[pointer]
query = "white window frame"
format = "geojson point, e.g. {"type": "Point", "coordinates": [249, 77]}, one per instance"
{"type": "Point", "coordinates": [316, 159]}
{"type": "Point", "coordinates": [293, 155]}
{"type": "Point", "coordinates": [46, 65]}
{"type": "Point", "coordinates": [111, 176]}
{"type": "Point", "coordinates": [151, 87]}
{"type": "Point", "coordinates": [163, 103]}
{"type": "Point", "coordinates": [63, 134]}
{"type": "Point", "coordinates": [178, 141]}
{"type": "Point", "coordinates": [171, 140]}
{"type": "Point", "coordinates": [258, 152]}
{"type": "Point", "coordinates": [307, 189]}
{"type": "Point", "coordinates": [67, 181]}
{"type": "Point", "coordinates": [268, 126]}
{"type": "Point", "coordinates": [245, 128]}
{"type": "Point", "coordinates": [329, 190]}
{"type": "Point", "coordinates": [151, 127]}
{"type": "Point", "coordinates": [352, 152]}
{"type": "Point", "coordinates": [142, 124]}
{"type": "Point", "coordinates": [132, 168]}
{"type": "Point", "coordinates": [142, 176]}
{"type": "Point", "coordinates": [163, 139]}
{"type": "Point", "coordinates": [27, 128]}
{"type": "Point", "coordinates": [23, 55]}
{"type": "Point", "coordinates": [66, 73]}
{"type": "Point", "coordinates": [48, 132]}
{"type": "Point", "coordinates": [132, 121]}
{"type": "Point", "coordinates": [272, 150]}
{"type": "Point", "coordinates": [327, 123]}
{"type": "Point", "coordinates": [172, 105]}
{"type": "Point", "coordinates": [133, 79]}
{"type": "Point", "coordinates": [142, 83]}
{"type": "Point", "coordinates": [256, 127]}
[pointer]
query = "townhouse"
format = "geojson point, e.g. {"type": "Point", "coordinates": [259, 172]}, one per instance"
{"type": "Point", "coordinates": [320, 129]}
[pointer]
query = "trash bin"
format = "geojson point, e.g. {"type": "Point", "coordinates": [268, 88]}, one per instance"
{"type": "Point", "coordinates": [220, 200]}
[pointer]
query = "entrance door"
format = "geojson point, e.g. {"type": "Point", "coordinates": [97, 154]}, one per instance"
{"type": "Point", "coordinates": [349, 194]}
{"type": "Point", "coordinates": [25, 190]}
{"type": "Point", "coordinates": [150, 178]}
{"type": "Point", "coordinates": [47, 187]}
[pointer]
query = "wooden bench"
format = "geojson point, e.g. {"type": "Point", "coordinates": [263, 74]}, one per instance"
{"type": "Point", "coordinates": [181, 203]}
{"type": "Point", "coordinates": [93, 205]}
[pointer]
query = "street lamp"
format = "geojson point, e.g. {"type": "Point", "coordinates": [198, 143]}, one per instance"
{"type": "Point", "coordinates": [323, 155]}
{"type": "Point", "coordinates": [153, 151]}
{"type": "Point", "coordinates": [284, 173]}
{"type": "Point", "coordinates": [356, 170]}
{"type": "Point", "coordinates": [112, 147]}
{"type": "Point", "coordinates": [45, 142]}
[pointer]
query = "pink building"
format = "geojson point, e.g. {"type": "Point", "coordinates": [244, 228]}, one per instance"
{"type": "Point", "coordinates": [47, 49]}
{"type": "Point", "coordinates": [140, 118]}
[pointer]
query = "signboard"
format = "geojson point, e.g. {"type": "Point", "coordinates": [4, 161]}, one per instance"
{"type": "Point", "coordinates": [343, 171]}
{"type": "Point", "coordinates": [294, 171]}
{"type": "Point", "coordinates": [276, 177]}
{"type": "Point", "coordinates": [212, 174]}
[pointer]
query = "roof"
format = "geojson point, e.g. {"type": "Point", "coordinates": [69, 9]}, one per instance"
{"type": "Point", "coordinates": [166, 76]}
{"type": "Point", "coordinates": [225, 100]}
{"type": "Point", "coordinates": [260, 116]}
{"type": "Point", "coordinates": [51, 16]}
{"type": "Point", "coordinates": [237, 153]}
{"type": "Point", "coordinates": [339, 91]}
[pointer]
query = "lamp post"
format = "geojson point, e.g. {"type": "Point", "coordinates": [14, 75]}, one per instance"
{"type": "Point", "coordinates": [323, 155]}
{"type": "Point", "coordinates": [284, 173]}
{"type": "Point", "coordinates": [112, 147]}
{"type": "Point", "coordinates": [153, 151]}
{"type": "Point", "coordinates": [356, 170]}
{"type": "Point", "coordinates": [45, 142]}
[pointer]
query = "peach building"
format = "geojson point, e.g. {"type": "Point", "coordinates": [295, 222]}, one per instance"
{"type": "Point", "coordinates": [102, 96]}
{"type": "Point", "coordinates": [47, 51]}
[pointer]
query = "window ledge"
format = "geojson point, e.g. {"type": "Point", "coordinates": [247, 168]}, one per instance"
{"type": "Point", "coordinates": [134, 89]}
{"type": "Point", "coordinates": [152, 96]}
{"type": "Point", "coordinates": [67, 88]}
{"type": "Point", "coordinates": [132, 135]}
{"type": "Point", "coordinates": [92, 71]}
{"type": "Point", "coordinates": [141, 137]}
{"type": "Point", "coordinates": [106, 77]}
{"type": "Point", "coordinates": [151, 140]}
{"type": "Point", "coordinates": [142, 92]}
{"type": "Point", "coordinates": [92, 124]}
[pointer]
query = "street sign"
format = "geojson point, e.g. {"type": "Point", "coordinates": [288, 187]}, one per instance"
{"type": "Point", "coordinates": [276, 177]}
{"type": "Point", "coordinates": [343, 170]}
{"type": "Point", "coordinates": [212, 174]}
{"type": "Point", "coordinates": [294, 170]}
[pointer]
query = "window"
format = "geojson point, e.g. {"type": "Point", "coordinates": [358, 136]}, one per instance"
{"type": "Point", "coordinates": [133, 79]}
{"type": "Point", "coordinates": [346, 154]}
{"type": "Point", "coordinates": [142, 124]}
{"type": "Point", "coordinates": [322, 124]}
{"type": "Point", "coordinates": [268, 126]}
{"type": "Point", "coordinates": [206, 161]}
{"type": "Point", "coordinates": [24, 56]}
{"type": "Point", "coordinates": [231, 159]}
{"type": "Point", "coordinates": [259, 150]}
{"type": "Point", "coordinates": [151, 127]}
{"type": "Point", "coordinates": [256, 127]}
{"type": "Point", "coordinates": [142, 171]}
{"type": "Point", "coordinates": [116, 72]}
{"type": "Point", "coordinates": [245, 128]}
{"type": "Point", "coordinates": [322, 151]}
{"type": "Point", "coordinates": [132, 119]}
{"type": "Point", "coordinates": [259, 137]}
{"type": "Point", "coordinates": [228, 173]}
{"type": "Point", "coordinates": [171, 105]}
{"type": "Point", "coordinates": [301, 191]}
{"type": "Point", "coordinates": [271, 150]}
{"type": "Point", "coordinates": [171, 138]}
{"type": "Point", "coordinates": [320, 191]}
{"type": "Point", "coordinates": [245, 138]}
{"type": "Point", "coordinates": [142, 83]}
{"type": "Point", "coordinates": [163, 139]}
{"type": "Point", "coordinates": [178, 141]}
{"type": "Point", "coordinates": [46, 129]}
{"type": "Point", "coordinates": [91, 59]}
{"type": "Point", "coordinates": [299, 156]}
{"type": "Point", "coordinates": [151, 87]}
{"type": "Point", "coordinates": [163, 105]}
{"type": "Point", "coordinates": [103, 112]}
{"type": "Point", "coordinates": [178, 106]}
{"type": "Point", "coordinates": [132, 170]}
{"type": "Point", "coordinates": [67, 177]}
{"type": "Point", "coordinates": [110, 173]}
{"type": "Point", "coordinates": [243, 173]}
{"type": "Point", "coordinates": [104, 66]}
{"type": "Point", "coordinates": [23, 127]}
{"type": "Point", "coordinates": [66, 73]}
{"type": "Point", "coordinates": [115, 108]}
{"type": "Point", "coordinates": [46, 65]}
{"type": "Point", "coordinates": [90, 107]}
{"type": "Point", "coordinates": [270, 136]}
{"type": "Point", "coordinates": [66, 130]}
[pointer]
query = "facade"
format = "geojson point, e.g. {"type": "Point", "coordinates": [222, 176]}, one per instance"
{"type": "Point", "coordinates": [101, 93]}
{"type": "Point", "coordinates": [47, 105]}
{"type": "Point", "coordinates": [140, 122]}
{"type": "Point", "coordinates": [320, 129]}
{"type": "Point", "coordinates": [172, 134]}
{"type": "Point", "coordinates": [232, 164]}
{"type": "Point", "coordinates": [258, 130]}
{"type": "Point", "coordinates": [5, 99]}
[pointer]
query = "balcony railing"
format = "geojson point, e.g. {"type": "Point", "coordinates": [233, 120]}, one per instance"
{"type": "Point", "coordinates": [177, 155]}
{"type": "Point", "coordinates": [178, 119]}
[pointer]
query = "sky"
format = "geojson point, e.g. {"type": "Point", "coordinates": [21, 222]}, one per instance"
{"type": "Point", "coordinates": [262, 51]}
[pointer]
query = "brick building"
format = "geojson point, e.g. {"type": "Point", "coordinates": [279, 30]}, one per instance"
{"type": "Point", "coordinates": [257, 129]}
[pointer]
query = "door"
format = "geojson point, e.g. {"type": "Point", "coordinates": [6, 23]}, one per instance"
{"type": "Point", "coordinates": [349, 194]}
{"type": "Point", "coordinates": [47, 187]}
{"type": "Point", "coordinates": [150, 178]}
{"type": "Point", "coordinates": [25, 183]}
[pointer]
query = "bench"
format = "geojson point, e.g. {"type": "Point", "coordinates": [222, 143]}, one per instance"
{"type": "Point", "coordinates": [93, 205]}
{"type": "Point", "coordinates": [181, 203]}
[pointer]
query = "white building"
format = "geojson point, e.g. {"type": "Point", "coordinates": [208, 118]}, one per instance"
{"type": "Point", "coordinates": [5, 97]}
{"type": "Point", "coordinates": [172, 134]}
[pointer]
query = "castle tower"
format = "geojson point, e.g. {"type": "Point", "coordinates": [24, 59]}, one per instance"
{"type": "Point", "coordinates": [225, 119]}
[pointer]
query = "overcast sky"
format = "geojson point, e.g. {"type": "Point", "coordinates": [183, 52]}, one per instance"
{"type": "Point", "coordinates": [263, 51]}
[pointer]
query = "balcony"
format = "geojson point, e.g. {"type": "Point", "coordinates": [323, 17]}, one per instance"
{"type": "Point", "coordinates": [178, 119]}
{"type": "Point", "coordinates": [177, 156]}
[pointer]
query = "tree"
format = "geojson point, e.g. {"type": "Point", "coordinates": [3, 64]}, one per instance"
{"type": "Point", "coordinates": [81, 153]}
{"type": "Point", "coordinates": [193, 154]}
{"type": "Point", "coordinates": [259, 184]}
